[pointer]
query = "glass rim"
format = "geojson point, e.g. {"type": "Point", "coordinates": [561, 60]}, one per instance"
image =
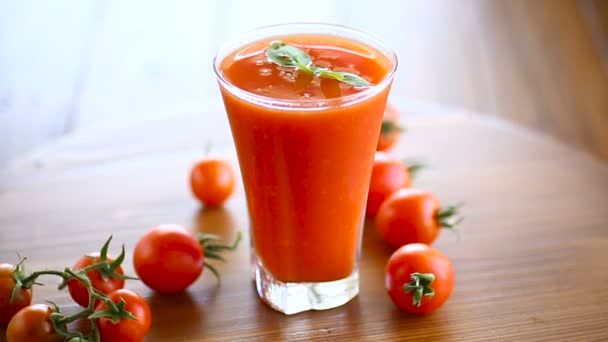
{"type": "Point", "coordinates": [306, 104]}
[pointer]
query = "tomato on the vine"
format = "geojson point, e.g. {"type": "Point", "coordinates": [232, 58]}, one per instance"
{"type": "Point", "coordinates": [80, 293]}
{"type": "Point", "coordinates": [22, 298]}
{"type": "Point", "coordinates": [418, 278]}
{"type": "Point", "coordinates": [168, 258]}
{"type": "Point", "coordinates": [32, 324]}
{"type": "Point", "coordinates": [390, 131]}
{"type": "Point", "coordinates": [212, 181]}
{"type": "Point", "coordinates": [412, 215]}
{"type": "Point", "coordinates": [125, 330]}
{"type": "Point", "coordinates": [388, 175]}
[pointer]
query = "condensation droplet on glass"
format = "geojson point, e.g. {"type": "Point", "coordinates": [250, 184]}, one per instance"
{"type": "Point", "coordinates": [260, 62]}
{"type": "Point", "coordinates": [282, 73]}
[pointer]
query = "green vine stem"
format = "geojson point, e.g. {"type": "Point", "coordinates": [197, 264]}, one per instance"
{"type": "Point", "coordinates": [414, 169]}
{"type": "Point", "coordinates": [390, 126]}
{"type": "Point", "coordinates": [22, 281]}
{"type": "Point", "coordinates": [421, 286]}
{"type": "Point", "coordinates": [449, 217]}
{"type": "Point", "coordinates": [115, 311]}
{"type": "Point", "coordinates": [106, 268]}
{"type": "Point", "coordinates": [212, 246]}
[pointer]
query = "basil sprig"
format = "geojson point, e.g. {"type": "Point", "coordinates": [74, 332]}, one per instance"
{"type": "Point", "coordinates": [293, 57]}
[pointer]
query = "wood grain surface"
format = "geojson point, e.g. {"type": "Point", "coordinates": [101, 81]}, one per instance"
{"type": "Point", "coordinates": [530, 263]}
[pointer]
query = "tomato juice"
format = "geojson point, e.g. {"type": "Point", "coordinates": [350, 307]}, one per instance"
{"type": "Point", "coordinates": [305, 164]}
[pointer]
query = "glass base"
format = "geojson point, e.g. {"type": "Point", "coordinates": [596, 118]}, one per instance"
{"type": "Point", "coordinates": [291, 298]}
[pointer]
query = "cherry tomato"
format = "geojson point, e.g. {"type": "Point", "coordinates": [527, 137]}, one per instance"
{"type": "Point", "coordinates": [126, 330]}
{"type": "Point", "coordinates": [412, 215]}
{"type": "Point", "coordinates": [212, 181]}
{"type": "Point", "coordinates": [32, 324]}
{"type": "Point", "coordinates": [418, 278]}
{"type": "Point", "coordinates": [388, 176]}
{"type": "Point", "coordinates": [391, 130]}
{"type": "Point", "coordinates": [79, 292]}
{"type": "Point", "coordinates": [22, 299]}
{"type": "Point", "coordinates": [168, 258]}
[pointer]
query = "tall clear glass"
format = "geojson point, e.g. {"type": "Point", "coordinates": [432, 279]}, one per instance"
{"type": "Point", "coordinates": [306, 166]}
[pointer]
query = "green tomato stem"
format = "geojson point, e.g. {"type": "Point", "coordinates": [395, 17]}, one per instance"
{"type": "Point", "coordinates": [449, 217]}
{"type": "Point", "coordinates": [420, 285]}
{"type": "Point", "coordinates": [390, 126]}
{"type": "Point", "coordinates": [212, 248]}
{"type": "Point", "coordinates": [414, 169]}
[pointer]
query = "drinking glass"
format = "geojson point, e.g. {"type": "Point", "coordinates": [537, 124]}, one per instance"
{"type": "Point", "coordinates": [306, 166]}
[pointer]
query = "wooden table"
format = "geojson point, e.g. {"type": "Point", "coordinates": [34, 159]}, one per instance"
{"type": "Point", "coordinates": [530, 263]}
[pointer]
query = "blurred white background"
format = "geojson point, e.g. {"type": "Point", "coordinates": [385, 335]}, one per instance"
{"type": "Point", "coordinates": [69, 65]}
{"type": "Point", "coordinates": [86, 67]}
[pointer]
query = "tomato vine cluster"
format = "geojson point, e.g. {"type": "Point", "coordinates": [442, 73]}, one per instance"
{"type": "Point", "coordinates": [168, 259]}
{"type": "Point", "coordinates": [96, 282]}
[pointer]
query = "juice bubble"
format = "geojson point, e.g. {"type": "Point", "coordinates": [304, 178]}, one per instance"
{"type": "Point", "coordinates": [265, 72]}
{"type": "Point", "coordinates": [260, 62]}
{"type": "Point", "coordinates": [282, 68]}
{"type": "Point", "coordinates": [287, 76]}
{"type": "Point", "coordinates": [323, 63]}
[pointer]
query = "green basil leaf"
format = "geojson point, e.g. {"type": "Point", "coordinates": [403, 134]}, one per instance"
{"type": "Point", "coordinates": [354, 80]}
{"type": "Point", "coordinates": [318, 70]}
{"type": "Point", "coordinates": [291, 56]}
{"type": "Point", "coordinates": [330, 74]}
{"type": "Point", "coordinates": [277, 56]}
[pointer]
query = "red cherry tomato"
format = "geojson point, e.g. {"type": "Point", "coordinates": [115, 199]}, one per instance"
{"type": "Point", "coordinates": [390, 128]}
{"type": "Point", "coordinates": [22, 298]}
{"type": "Point", "coordinates": [32, 324]}
{"type": "Point", "coordinates": [79, 292]}
{"type": "Point", "coordinates": [388, 176]}
{"type": "Point", "coordinates": [168, 258]}
{"type": "Point", "coordinates": [418, 278]}
{"type": "Point", "coordinates": [412, 215]}
{"type": "Point", "coordinates": [126, 330]}
{"type": "Point", "coordinates": [212, 181]}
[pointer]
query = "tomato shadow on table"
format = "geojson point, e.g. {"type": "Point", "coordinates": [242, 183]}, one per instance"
{"type": "Point", "coordinates": [180, 313]}
{"type": "Point", "coordinates": [432, 326]}
{"type": "Point", "coordinates": [219, 221]}
{"type": "Point", "coordinates": [372, 243]}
